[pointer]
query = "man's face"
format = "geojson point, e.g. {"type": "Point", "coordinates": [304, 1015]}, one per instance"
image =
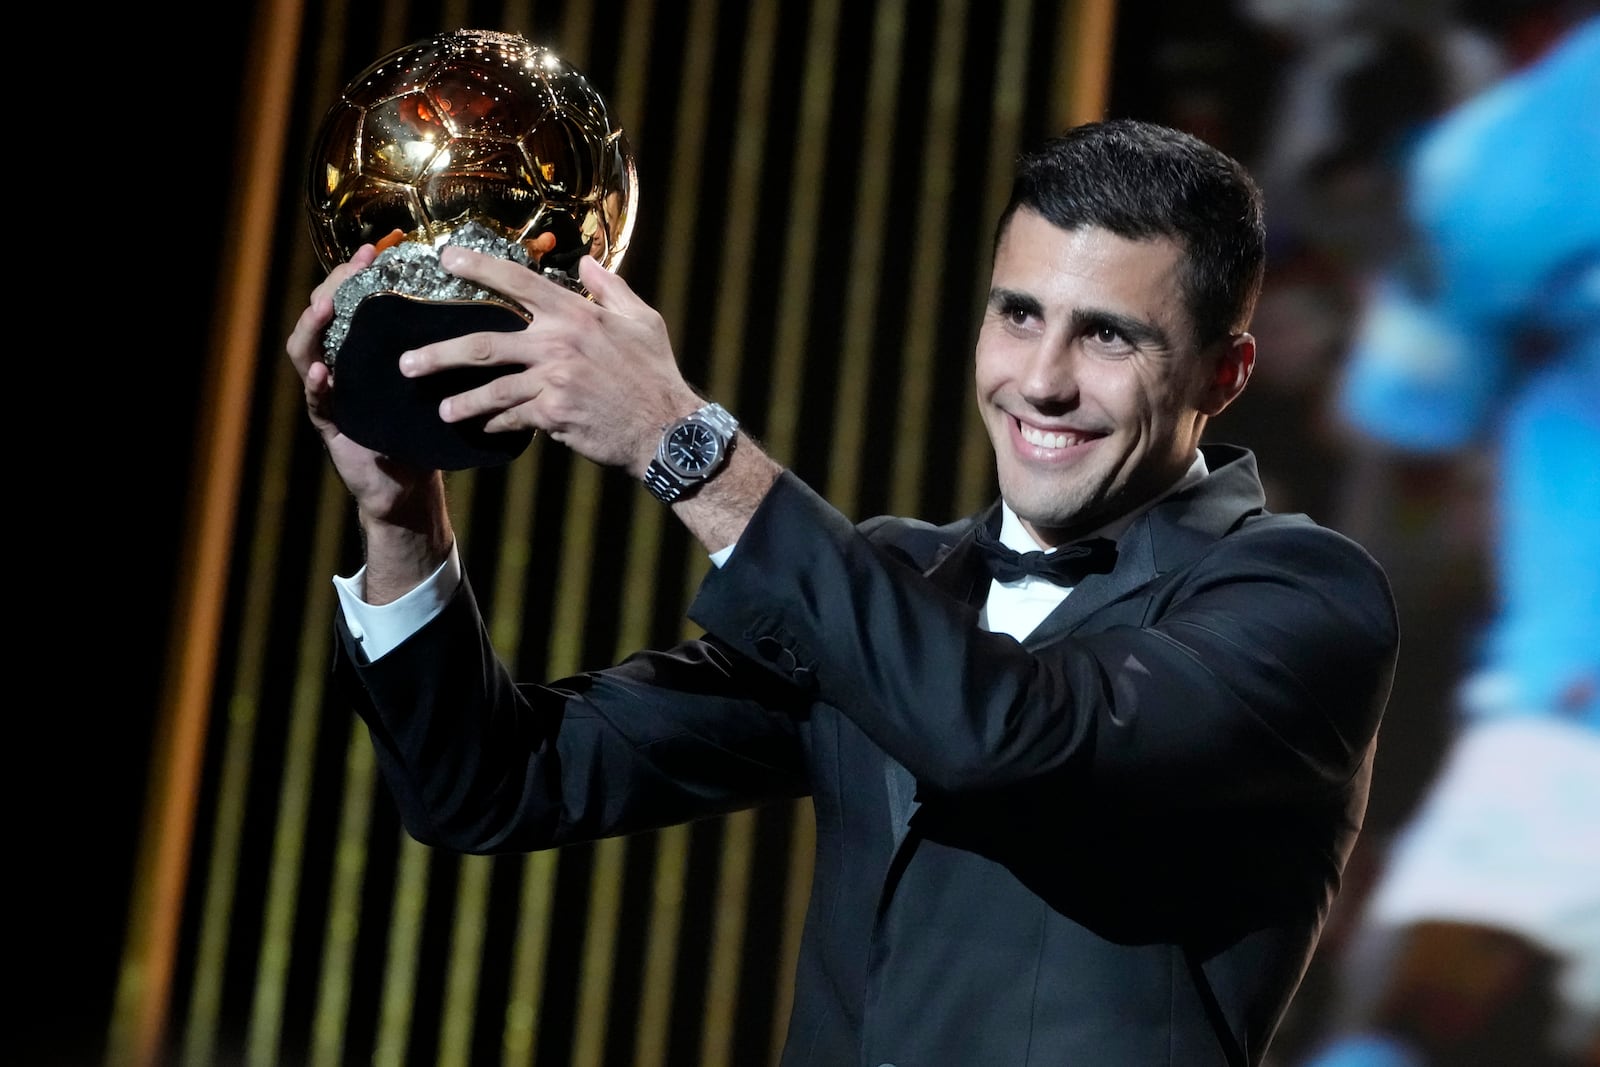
{"type": "Point", "coordinates": [1089, 379]}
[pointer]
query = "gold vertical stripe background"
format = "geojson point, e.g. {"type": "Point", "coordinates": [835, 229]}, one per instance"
{"type": "Point", "coordinates": [805, 235]}
{"type": "Point", "coordinates": [303, 926]}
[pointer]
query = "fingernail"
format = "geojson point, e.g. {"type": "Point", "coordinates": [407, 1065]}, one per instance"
{"type": "Point", "coordinates": [408, 362]}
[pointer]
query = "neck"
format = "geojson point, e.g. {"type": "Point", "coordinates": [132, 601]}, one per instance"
{"type": "Point", "coordinates": [1023, 536]}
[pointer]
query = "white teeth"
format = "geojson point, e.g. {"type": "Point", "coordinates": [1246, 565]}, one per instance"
{"type": "Point", "coordinates": [1045, 439]}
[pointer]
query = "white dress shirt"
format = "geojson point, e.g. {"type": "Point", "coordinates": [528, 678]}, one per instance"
{"type": "Point", "coordinates": [1016, 608]}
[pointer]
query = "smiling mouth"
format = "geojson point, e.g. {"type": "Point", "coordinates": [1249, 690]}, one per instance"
{"type": "Point", "coordinates": [1051, 438]}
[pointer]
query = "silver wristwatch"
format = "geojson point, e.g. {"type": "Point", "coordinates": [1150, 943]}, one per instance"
{"type": "Point", "coordinates": [691, 452]}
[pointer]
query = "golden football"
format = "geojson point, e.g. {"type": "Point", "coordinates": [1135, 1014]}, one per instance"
{"type": "Point", "coordinates": [472, 125]}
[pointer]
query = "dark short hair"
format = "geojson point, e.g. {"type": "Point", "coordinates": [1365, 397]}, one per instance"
{"type": "Point", "coordinates": [1141, 181]}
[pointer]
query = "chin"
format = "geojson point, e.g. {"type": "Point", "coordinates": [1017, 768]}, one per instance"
{"type": "Point", "coordinates": [1044, 510]}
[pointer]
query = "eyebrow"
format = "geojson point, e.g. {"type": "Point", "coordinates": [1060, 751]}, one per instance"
{"type": "Point", "coordinates": [1002, 299]}
{"type": "Point", "coordinates": [1084, 320]}
{"type": "Point", "coordinates": [1141, 332]}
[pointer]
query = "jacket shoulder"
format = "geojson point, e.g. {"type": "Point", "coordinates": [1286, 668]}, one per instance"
{"type": "Point", "coordinates": [1295, 544]}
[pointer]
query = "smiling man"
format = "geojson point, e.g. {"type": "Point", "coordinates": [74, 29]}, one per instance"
{"type": "Point", "coordinates": [1086, 766]}
{"type": "Point", "coordinates": [1092, 380]}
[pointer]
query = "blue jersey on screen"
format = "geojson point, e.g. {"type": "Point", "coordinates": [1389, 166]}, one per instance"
{"type": "Point", "coordinates": [1492, 333]}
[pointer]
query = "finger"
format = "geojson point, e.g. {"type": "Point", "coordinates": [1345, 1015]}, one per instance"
{"type": "Point", "coordinates": [359, 261]}
{"type": "Point", "coordinates": [540, 246]}
{"type": "Point", "coordinates": [524, 416]}
{"type": "Point", "coordinates": [527, 287]}
{"type": "Point", "coordinates": [319, 394]}
{"type": "Point", "coordinates": [363, 257]}
{"type": "Point", "coordinates": [497, 399]}
{"type": "Point", "coordinates": [305, 340]}
{"type": "Point", "coordinates": [317, 383]}
{"type": "Point", "coordinates": [487, 348]}
{"type": "Point", "coordinates": [609, 288]}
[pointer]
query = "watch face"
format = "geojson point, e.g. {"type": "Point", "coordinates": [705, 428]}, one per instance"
{"type": "Point", "coordinates": [692, 449]}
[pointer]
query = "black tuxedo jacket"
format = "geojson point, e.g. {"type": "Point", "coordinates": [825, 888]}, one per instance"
{"type": "Point", "coordinates": [1114, 843]}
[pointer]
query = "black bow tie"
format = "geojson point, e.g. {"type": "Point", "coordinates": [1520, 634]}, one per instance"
{"type": "Point", "coordinates": [1067, 565]}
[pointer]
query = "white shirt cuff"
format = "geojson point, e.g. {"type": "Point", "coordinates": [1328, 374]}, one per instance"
{"type": "Point", "coordinates": [381, 627]}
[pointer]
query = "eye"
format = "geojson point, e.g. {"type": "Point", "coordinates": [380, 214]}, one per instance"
{"type": "Point", "coordinates": [1109, 340]}
{"type": "Point", "coordinates": [1016, 311]}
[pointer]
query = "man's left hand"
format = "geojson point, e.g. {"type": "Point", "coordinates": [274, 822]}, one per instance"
{"type": "Point", "coordinates": [599, 376]}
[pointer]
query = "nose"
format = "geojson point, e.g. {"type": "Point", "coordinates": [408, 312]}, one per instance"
{"type": "Point", "coordinates": [1049, 377]}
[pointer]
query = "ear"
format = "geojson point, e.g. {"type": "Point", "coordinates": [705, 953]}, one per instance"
{"type": "Point", "coordinates": [1235, 358]}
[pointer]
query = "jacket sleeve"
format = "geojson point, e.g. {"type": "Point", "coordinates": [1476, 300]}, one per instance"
{"type": "Point", "coordinates": [478, 763]}
{"type": "Point", "coordinates": [1273, 653]}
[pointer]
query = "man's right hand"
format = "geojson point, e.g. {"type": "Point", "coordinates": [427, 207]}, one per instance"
{"type": "Point", "coordinates": [405, 526]}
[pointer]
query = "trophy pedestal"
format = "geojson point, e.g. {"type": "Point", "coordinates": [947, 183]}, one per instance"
{"type": "Point", "coordinates": [375, 405]}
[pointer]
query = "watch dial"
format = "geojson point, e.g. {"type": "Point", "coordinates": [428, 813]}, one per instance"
{"type": "Point", "coordinates": [693, 448]}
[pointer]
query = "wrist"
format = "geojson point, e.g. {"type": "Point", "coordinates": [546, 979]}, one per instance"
{"type": "Point", "coordinates": [717, 515]}
{"type": "Point", "coordinates": [691, 451]}
{"type": "Point", "coordinates": [397, 561]}
{"type": "Point", "coordinates": [405, 544]}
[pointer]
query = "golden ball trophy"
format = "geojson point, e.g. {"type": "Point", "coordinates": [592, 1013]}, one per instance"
{"type": "Point", "coordinates": [475, 138]}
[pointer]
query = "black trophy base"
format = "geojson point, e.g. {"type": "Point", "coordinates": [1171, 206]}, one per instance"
{"type": "Point", "coordinates": [375, 405]}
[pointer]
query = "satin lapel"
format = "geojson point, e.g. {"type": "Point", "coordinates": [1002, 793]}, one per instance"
{"type": "Point", "coordinates": [1165, 538]}
{"type": "Point", "coordinates": [1136, 565]}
